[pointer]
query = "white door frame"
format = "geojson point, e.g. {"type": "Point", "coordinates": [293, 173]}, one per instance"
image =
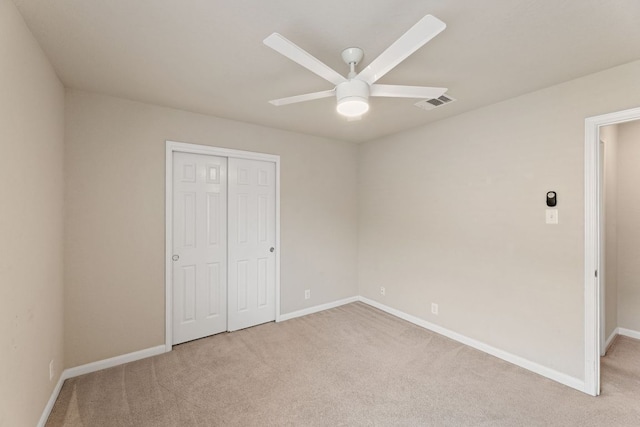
{"type": "Point", "coordinates": [592, 242]}
{"type": "Point", "coordinates": [171, 147]}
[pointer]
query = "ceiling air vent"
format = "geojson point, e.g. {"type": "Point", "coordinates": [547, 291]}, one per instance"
{"type": "Point", "coordinates": [430, 104]}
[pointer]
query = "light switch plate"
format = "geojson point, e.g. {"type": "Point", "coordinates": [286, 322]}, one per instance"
{"type": "Point", "coordinates": [552, 216]}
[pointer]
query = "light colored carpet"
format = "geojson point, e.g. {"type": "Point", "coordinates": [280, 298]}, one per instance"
{"type": "Point", "coordinates": [349, 366]}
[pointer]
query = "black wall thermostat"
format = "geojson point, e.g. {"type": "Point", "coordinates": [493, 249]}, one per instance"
{"type": "Point", "coordinates": [552, 199]}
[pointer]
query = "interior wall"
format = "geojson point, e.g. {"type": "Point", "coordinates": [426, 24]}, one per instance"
{"type": "Point", "coordinates": [31, 223]}
{"type": "Point", "coordinates": [115, 153]}
{"type": "Point", "coordinates": [453, 213]}
{"type": "Point", "coordinates": [609, 137]}
{"type": "Point", "coordinates": [629, 226]}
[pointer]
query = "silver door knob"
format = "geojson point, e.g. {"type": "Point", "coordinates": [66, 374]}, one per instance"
{"type": "Point", "coordinates": [272, 249]}
{"type": "Point", "coordinates": [175, 257]}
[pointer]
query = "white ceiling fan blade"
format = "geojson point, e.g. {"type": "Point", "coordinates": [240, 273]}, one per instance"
{"type": "Point", "coordinates": [426, 29]}
{"type": "Point", "coordinates": [407, 91]}
{"type": "Point", "coordinates": [302, 98]}
{"type": "Point", "coordinates": [295, 53]}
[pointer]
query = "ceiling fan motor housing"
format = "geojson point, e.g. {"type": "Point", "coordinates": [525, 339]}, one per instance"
{"type": "Point", "coordinates": [353, 97]}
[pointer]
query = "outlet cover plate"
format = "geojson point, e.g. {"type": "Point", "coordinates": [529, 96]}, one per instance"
{"type": "Point", "coordinates": [434, 308]}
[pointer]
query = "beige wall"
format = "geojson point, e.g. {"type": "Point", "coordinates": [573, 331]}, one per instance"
{"type": "Point", "coordinates": [31, 164]}
{"type": "Point", "coordinates": [115, 153]}
{"type": "Point", "coordinates": [629, 226]}
{"type": "Point", "coordinates": [454, 213]}
{"type": "Point", "coordinates": [609, 137]}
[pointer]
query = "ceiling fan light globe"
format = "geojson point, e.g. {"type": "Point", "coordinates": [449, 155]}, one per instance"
{"type": "Point", "coordinates": [352, 106]}
{"type": "Point", "coordinates": [353, 98]}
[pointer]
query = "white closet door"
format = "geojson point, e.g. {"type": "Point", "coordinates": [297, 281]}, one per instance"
{"type": "Point", "coordinates": [199, 246]}
{"type": "Point", "coordinates": [252, 229]}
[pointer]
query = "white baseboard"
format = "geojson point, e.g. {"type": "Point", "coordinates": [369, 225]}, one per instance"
{"type": "Point", "coordinates": [629, 333]}
{"type": "Point", "coordinates": [501, 354]}
{"type": "Point", "coordinates": [609, 341]}
{"type": "Point", "coordinates": [317, 308]}
{"type": "Point", "coordinates": [52, 401]}
{"type": "Point", "coordinates": [114, 361]}
{"type": "Point", "coordinates": [93, 367]}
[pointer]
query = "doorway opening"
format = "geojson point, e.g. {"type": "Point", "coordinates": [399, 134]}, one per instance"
{"type": "Point", "coordinates": [222, 235]}
{"type": "Point", "coordinates": [594, 244]}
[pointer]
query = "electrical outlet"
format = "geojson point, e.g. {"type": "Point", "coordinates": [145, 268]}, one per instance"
{"type": "Point", "coordinates": [51, 372]}
{"type": "Point", "coordinates": [307, 294]}
{"type": "Point", "coordinates": [383, 291]}
{"type": "Point", "coordinates": [434, 308]}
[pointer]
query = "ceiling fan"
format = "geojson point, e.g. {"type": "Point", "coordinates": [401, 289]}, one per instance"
{"type": "Point", "coordinates": [353, 91]}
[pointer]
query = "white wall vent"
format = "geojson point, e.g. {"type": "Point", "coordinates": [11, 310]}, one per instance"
{"type": "Point", "coordinates": [430, 104]}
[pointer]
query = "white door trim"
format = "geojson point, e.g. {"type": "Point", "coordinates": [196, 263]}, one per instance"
{"type": "Point", "coordinates": [592, 256]}
{"type": "Point", "coordinates": [171, 147]}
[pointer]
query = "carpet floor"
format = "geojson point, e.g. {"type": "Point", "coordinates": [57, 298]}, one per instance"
{"type": "Point", "coordinates": [349, 366]}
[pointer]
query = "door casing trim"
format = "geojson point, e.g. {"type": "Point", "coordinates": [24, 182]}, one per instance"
{"type": "Point", "coordinates": [174, 146]}
{"type": "Point", "coordinates": [592, 243]}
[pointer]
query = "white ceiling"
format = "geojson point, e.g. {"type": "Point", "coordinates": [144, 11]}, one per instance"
{"type": "Point", "coordinates": [207, 56]}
